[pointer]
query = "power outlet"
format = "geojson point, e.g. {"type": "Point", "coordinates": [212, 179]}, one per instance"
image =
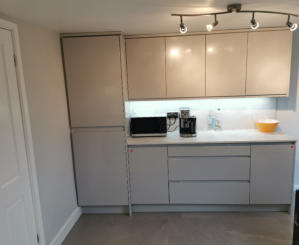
{"type": "Point", "coordinates": [172, 115]}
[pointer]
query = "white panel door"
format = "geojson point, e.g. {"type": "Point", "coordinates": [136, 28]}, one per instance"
{"type": "Point", "coordinates": [16, 209]}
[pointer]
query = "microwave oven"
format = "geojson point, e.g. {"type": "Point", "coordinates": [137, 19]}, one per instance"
{"type": "Point", "coordinates": [148, 126]}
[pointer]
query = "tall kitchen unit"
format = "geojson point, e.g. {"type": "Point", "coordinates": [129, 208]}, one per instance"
{"type": "Point", "coordinates": [95, 80]}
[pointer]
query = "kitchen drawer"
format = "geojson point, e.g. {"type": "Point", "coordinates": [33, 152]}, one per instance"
{"type": "Point", "coordinates": [209, 168]}
{"type": "Point", "coordinates": [209, 192]}
{"type": "Point", "coordinates": [210, 150]}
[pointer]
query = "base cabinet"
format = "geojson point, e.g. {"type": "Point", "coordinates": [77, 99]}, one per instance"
{"type": "Point", "coordinates": [272, 173]}
{"type": "Point", "coordinates": [148, 175]}
{"type": "Point", "coordinates": [100, 166]}
{"type": "Point", "coordinates": [215, 174]}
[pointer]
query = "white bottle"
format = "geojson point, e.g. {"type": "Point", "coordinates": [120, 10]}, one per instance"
{"type": "Point", "coordinates": [218, 119]}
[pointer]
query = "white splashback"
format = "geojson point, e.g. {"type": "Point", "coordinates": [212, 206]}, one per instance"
{"type": "Point", "coordinates": [237, 113]}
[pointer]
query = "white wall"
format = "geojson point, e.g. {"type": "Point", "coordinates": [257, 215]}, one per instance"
{"type": "Point", "coordinates": [44, 81]}
{"type": "Point", "coordinates": [288, 108]}
{"type": "Point", "coordinates": [237, 113]}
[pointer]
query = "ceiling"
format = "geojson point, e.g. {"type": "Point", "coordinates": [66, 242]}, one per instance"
{"type": "Point", "coordinates": [140, 16]}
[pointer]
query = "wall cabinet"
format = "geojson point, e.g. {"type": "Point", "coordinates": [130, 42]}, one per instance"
{"type": "Point", "coordinates": [148, 175]}
{"type": "Point", "coordinates": [100, 166]}
{"type": "Point", "coordinates": [185, 66]}
{"type": "Point", "coordinates": [226, 64]}
{"type": "Point", "coordinates": [269, 62]}
{"type": "Point", "coordinates": [94, 80]}
{"type": "Point", "coordinates": [271, 174]}
{"type": "Point", "coordinates": [146, 68]}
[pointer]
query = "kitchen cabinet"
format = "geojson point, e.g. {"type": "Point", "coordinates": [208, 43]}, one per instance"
{"type": "Point", "coordinates": [146, 68]}
{"type": "Point", "coordinates": [94, 80]}
{"type": "Point", "coordinates": [185, 66]}
{"type": "Point", "coordinates": [269, 62]}
{"type": "Point", "coordinates": [100, 166]}
{"type": "Point", "coordinates": [226, 56]}
{"type": "Point", "coordinates": [148, 175]}
{"type": "Point", "coordinates": [271, 179]}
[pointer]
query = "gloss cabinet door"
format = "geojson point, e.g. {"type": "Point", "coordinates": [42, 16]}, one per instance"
{"type": "Point", "coordinates": [146, 68]}
{"type": "Point", "coordinates": [269, 63]}
{"type": "Point", "coordinates": [185, 66]}
{"type": "Point", "coordinates": [94, 82]}
{"type": "Point", "coordinates": [226, 56]}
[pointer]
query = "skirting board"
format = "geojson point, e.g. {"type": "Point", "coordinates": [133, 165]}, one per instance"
{"type": "Point", "coordinates": [66, 228]}
{"type": "Point", "coordinates": [186, 208]}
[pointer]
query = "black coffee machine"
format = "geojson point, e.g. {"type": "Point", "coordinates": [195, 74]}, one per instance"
{"type": "Point", "coordinates": [187, 123]}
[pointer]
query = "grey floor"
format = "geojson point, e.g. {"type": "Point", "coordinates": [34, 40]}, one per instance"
{"type": "Point", "coordinates": [183, 229]}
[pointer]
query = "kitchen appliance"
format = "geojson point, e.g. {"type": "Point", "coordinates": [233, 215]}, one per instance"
{"type": "Point", "coordinates": [148, 126]}
{"type": "Point", "coordinates": [296, 220]}
{"type": "Point", "coordinates": [187, 123]}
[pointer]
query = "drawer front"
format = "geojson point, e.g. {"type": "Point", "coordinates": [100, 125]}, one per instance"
{"type": "Point", "coordinates": [218, 192]}
{"type": "Point", "coordinates": [209, 168]}
{"type": "Point", "coordinates": [210, 150]}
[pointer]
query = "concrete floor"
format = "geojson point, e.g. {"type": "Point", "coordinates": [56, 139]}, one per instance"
{"type": "Point", "coordinates": [183, 229]}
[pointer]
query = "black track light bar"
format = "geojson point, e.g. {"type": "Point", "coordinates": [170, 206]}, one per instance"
{"type": "Point", "coordinates": [236, 8]}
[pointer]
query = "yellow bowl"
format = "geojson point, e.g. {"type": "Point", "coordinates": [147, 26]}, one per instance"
{"type": "Point", "coordinates": [267, 126]}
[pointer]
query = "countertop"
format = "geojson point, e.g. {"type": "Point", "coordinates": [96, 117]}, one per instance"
{"type": "Point", "coordinates": [214, 137]}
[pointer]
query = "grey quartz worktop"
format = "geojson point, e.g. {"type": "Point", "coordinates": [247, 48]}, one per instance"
{"type": "Point", "coordinates": [214, 137]}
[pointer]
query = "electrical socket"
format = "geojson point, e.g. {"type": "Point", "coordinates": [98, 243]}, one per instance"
{"type": "Point", "coordinates": [172, 115]}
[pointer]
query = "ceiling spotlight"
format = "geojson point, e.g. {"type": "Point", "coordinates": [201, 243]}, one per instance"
{"type": "Point", "coordinates": [210, 27]}
{"type": "Point", "coordinates": [292, 26]}
{"type": "Point", "coordinates": [183, 28]}
{"type": "Point", "coordinates": [253, 23]}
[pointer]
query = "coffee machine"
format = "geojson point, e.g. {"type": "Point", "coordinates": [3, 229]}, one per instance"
{"type": "Point", "coordinates": [187, 123]}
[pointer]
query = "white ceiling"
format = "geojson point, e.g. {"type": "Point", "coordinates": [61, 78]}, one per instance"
{"type": "Point", "coordinates": [139, 16]}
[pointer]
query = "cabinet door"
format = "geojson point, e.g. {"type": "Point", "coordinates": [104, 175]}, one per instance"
{"type": "Point", "coordinates": [146, 68]}
{"type": "Point", "coordinates": [185, 66]}
{"type": "Point", "coordinates": [93, 77]}
{"type": "Point", "coordinates": [269, 60]}
{"type": "Point", "coordinates": [226, 64]}
{"type": "Point", "coordinates": [271, 179]}
{"type": "Point", "coordinates": [148, 175]}
{"type": "Point", "coordinates": [100, 165]}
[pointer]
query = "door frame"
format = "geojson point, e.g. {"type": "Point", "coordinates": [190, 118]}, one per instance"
{"type": "Point", "coordinates": [13, 28]}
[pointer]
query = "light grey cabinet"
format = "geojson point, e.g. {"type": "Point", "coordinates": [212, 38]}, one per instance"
{"type": "Point", "coordinates": [271, 179]}
{"type": "Point", "coordinates": [148, 175]}
{"type": "Point", "coordinates": [94, 80]}
{"type": "Point", "coordinates": [100, 166]}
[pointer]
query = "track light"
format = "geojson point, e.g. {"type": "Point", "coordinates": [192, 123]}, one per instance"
{"type": "Point", "coordinates": [183, 28]}
{"type": "Point", "coordinates": [253, 23]}
{"type": "Point", "coordinates": [237, 8]}
{"type": "Point", "coordinates": [292, 26]}
{"type": "Point", "coordinates": [210, 27]}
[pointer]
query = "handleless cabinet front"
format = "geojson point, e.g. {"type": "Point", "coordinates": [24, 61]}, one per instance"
{"type": "Point", "coordinates": [93, 78]}
{"type": "Point", "coordinates": [100, 166]}
{"type": "Point", "coordinates": [185, 66]}
{"type": "Point", "coordinates": [226, 64]}
{"type": "Point", "coordinates": [148, 174]}
{"type": "Point", "coordinates": [146, 68]}
{"type": "Point", "coordinates": [271, 180]}
{"type": "Point", "coordinates": [269, 62]}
